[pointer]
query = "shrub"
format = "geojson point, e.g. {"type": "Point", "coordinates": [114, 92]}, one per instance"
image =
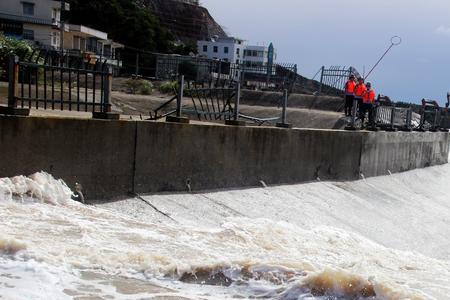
{"type": "Point", "coordinates": [139, 86]}
{"type": "Point", "coordinates": [10, 46]}
{"type": "Point", "coordinates": [168, 87]}
{"type": "Point", "coordinates": [146, 88]}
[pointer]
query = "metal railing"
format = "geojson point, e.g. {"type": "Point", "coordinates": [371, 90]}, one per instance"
{"type": "Point", "coordinates": [41, 83]}
{"type": "Point", "coordinates": [434, 120]}
{"type": "Point", "coordinates": [393, 118]}
{"type": "Point", "coordinates": [333, 79]}
{"type": "Point", "coordinates": [214, 104]}
{"type": "Point", "coordinates": [211, 73]}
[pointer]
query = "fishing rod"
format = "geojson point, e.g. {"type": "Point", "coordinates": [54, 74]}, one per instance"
{"type": "Point", "coordinates": [395, 41]}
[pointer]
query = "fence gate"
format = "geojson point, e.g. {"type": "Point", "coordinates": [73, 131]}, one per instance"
{"type": "Point", "coordinates": [333, 79]}
{"type": "Point", "coordinates": [41, 82]}
{"type": "Point", "coordinates": [213, 104]}
{"type": "Point", "coordinates": [392, 118]}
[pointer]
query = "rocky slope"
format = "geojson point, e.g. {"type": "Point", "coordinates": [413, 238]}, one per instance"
{"type": "Point", "coordinates": [187, 22]}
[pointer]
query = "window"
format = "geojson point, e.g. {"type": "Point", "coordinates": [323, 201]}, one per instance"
{"type": "Point", "coordinates": [28, 34]}
{"type": "Point", "coordinates": [28, 8]}
{"type": "Point", "coordinates": [238, 51]}
{"type": "Point", "coordinates": [237, 61]}
{"type": "Point", "coordinates": [215, 49]}
{"type": "Point", "coordinates": [56, 15]}
{"type": "Point", "coordinates": [205, 48]}
{"type": "Point", "coordinates": [55, 38]}
{"type": "Point", "coordinates": [226, 50]}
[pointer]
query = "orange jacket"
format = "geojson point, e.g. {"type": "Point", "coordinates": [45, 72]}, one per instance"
{"type": "Point", "coordinates": [360, 89]}
{"type": "Point", "coordinates": [369, 96]}
{"type": "Point", "coordinates": [350, 87]}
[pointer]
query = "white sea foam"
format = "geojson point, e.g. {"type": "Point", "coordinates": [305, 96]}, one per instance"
{"type": "Point", "coordinates": [382, 238]}
{"type": "Point", "coordinates": [41, 187]}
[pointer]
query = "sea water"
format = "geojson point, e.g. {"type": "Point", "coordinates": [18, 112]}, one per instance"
{"type": "Point", "coordinates": [380, 238]}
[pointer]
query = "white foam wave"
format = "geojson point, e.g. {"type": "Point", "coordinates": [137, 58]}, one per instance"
{"type": "Point", "coordinates": [40, 187]}
{"type": "Point", "coordinates": [11, 246]}
{"type": "Point", "coordinates": [250, 257]}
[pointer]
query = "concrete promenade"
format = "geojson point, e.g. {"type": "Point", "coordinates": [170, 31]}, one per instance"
{"type": "Point", "coordinates": [115, 158]}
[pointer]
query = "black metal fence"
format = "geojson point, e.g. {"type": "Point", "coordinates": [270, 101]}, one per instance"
{"type": "Point", "coordinates": [48, 82]}
{"type": "Point", "coordinates": [393, 118]}
{"type": "Point", "coordinates": [333, 79]}
{"type": "Point", "coordinates": [208, 72]}
{"type": "Point", "coordinates": [213, 104]}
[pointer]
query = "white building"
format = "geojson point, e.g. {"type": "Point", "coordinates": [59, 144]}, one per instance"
{"type": "Point", "coordinates": [255, 56]}
{"type": "Point", "coordinates": [79, 39]}
{"type": "Point", "coordinates": [227, 49]}
{"type": "Point", "coordinates": [39, 21]}
{"type": "Point", "coordinates": [236, 51]}
{"type": "Point", "coordinates": [36, 20]}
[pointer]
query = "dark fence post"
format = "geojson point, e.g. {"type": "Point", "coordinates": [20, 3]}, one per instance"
{"type": "Point", "coordinates": [13, 80]}
{"type": "Point", "coordinates": [180, 93]}
{"type": "Point", "coordinates": [107, 88]}
{"type": "Point", "coordinates": [105, 104]}
{"type": "Point", "coordinates": [436, 119]}
{"type": "Point", "coordinates": [180, 96]}
{"type": "Point", "coordinates": [409, 119]}
{"type": "Point", "coordinates": [321, 79]}
{"type": "Point", "coordinates": [422, 121]}
{"type": "Point", "coordinates": [237, 99]}
{"type": "Point", "coordinates": [392, 121]}
{"type": "Point", "coordinates": [13, 90]}
{"type": "Point", "coordinates": [283, 123]}
{"type": "Point", "coordinates": [137, 64]}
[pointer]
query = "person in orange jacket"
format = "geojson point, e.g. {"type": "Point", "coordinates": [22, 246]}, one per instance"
{"type": "Point", "coordinates": [367, 105]}
{"type": "Point", "coordinates": [360, 88]}
{"type": "Point", "coordinates": [349, 95]}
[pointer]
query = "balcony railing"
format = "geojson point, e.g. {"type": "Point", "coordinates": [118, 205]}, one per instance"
{"type": "Point", "coordinates": [26, 19]}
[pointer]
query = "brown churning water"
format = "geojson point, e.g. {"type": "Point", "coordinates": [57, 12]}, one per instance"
{"type": "Point", "coordinates": [380, 238]}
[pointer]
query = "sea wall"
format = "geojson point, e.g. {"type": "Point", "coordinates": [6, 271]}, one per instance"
{"type": "Point", "coordinates": [115, 158]}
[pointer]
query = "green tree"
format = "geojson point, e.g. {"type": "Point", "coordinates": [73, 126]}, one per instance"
{"type": "Point", "coordinates": [10, 46]}
{"type": "Point", "coordinates": [124, 22]}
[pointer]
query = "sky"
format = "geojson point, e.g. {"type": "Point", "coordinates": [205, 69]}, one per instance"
{"type": "Point", "coordinates": [352, 33]}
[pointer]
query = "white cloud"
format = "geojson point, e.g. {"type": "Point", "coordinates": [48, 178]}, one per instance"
{"type": "Point", "coordinates": [443, 30]}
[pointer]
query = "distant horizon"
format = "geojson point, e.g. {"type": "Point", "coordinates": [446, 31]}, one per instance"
{"type": "Point", "coordinates": [316, 34]}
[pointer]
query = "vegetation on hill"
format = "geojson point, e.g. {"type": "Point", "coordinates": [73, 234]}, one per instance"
{"type": "Point", "coordinates": [10, 46]}
{"type": "Point", "coordinates": [124, 22]}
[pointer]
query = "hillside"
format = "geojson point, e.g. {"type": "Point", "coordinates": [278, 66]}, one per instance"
{"type": "Point", "coordinates": [186, 22]}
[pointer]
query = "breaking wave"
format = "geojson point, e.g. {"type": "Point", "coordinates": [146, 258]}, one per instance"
{"type": "Point", "coordinates": [127, 250]}
{"type": "Point", "coordinates": [11, 246]}
{"type": "Point", "coordinates": [41, 187]}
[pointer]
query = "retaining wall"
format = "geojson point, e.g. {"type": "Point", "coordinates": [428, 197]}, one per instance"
{"type": "Point", "coordinates": [260, 98]}
{"type": "Point", "coordinates": [114, 158]}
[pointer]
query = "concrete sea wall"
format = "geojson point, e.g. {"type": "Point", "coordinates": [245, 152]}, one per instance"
{"type": "Point", "coordinates": [114, 158]}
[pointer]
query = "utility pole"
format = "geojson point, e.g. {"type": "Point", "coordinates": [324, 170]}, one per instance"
{"type": "Point", "coordinates": [61, 29]}
{"type": "Point", "coordinates": [65, 6]}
